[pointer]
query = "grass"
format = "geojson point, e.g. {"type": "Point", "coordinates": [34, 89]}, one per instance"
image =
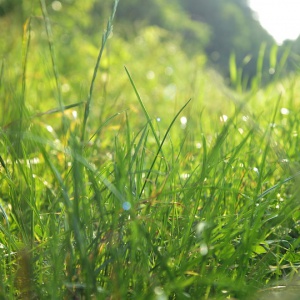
{"type": "Point", "coordinates": [148, 199]}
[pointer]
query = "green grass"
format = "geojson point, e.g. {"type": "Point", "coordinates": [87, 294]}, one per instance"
{"type": "Point", "coordinates": [124, 198]}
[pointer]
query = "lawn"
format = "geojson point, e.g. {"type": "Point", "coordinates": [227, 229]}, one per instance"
{"type": "Point", "coordinates": [131, 171]}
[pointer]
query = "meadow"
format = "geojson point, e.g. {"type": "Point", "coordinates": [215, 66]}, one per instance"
{"type": "Point", "coordinates": [131, 171]}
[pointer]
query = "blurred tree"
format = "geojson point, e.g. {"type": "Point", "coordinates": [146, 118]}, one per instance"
{"type": "Point", "coordinates": [7, 6]}
{"type": "Point", "coordinates": [234, 29]}
{"type": "Point", "coordinates": [134, 16]}
{"type": "Point", "coordinates": [215, 27]}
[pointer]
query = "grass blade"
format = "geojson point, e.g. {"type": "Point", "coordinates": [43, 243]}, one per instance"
{"type": "Point", "coordinates": [159, 150]}
{"type": "Point", "coordinates": [104, 40]}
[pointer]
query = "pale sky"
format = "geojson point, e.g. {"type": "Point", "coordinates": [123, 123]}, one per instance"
{"type": "Point", "coordinates": [281, 18]}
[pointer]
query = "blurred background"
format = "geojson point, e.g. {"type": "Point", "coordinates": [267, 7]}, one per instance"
{"type": "Point", "coordinates": [161, 42]}
{"type": "Point", "coordinates": [279, 17]}
{"type": "Point", "coordinates": [215, 28]}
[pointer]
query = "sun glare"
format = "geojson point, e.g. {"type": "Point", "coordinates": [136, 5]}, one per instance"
{"type": "Point", "coordinates": [279, 17]}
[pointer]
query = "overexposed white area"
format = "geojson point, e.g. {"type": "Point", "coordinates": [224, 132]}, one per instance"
{"type": "Point", "coordinates": [281, 18]}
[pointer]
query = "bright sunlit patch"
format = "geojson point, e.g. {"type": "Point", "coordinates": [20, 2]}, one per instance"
{"type": "Point", "coordinates": [49, 128]}
{"type": "Point", "coordinates": [184, 176]}
{"type": "Point", "coordinates": [160, 293]}
{"type": "Point", "coordinates": [170, 91]}
{"type": "Point", "coordinates": [104, 77]}
{"type": "Point", "coordinates": [56, 5]}
{"type": "Point", "coordinates": [46, 183]}
{"type": "Point", "coordinates": [271, 71]}
{"type": "Point", "coordinates": [200, 228]}
{"type": "Point", "coordinates": [29, 162]}
{"type": "Point", "coordinates": [284, 160]}
{"type": "Point", "coordinates": [150, 75]}
{"type": "Point", "coordinates": [109, 155]}
{"type": "Point", "coordinates": [280, 18]}
{"type": "Point", "coordinates": [241, 130]}
{"type": "Point", "coordinates": [183, 120]}
{"type": "Point", "coordinates": [245, 118]}
{"type": "Point", "coordinates": [34, 161]}
{"type": "Point", "coordinates": [223, 118]}
{"type": "Point", "coordinates": [74, 114]}
{"type": "Point", "coordinates": [284, 111]}
{"type": "Point", "coordinates": [198, 145]}
{"type": "Point", "coordinates": [279, 197]}
{"type": "Point", "coordinates": [281, 89]}
{"type": "Point", "coordinates": [203, 249]}
{"type": "Point", "coordinates": [65, 88]}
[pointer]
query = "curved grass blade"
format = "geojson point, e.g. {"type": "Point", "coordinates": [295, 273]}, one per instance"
{"type": "Point", "coordinates": [103, 124]}
{"type": "Point", "coordinates": [143, 107]}
{"type": "Point", "coordinates": [274, 187]}
{"type": "Point", "coordinates": [161, 144]}
{"type": "Point", "coordinates": [48, 112]}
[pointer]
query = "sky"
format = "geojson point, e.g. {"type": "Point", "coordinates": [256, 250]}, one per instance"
{"type": "Point", "coordinates": [281, 18]}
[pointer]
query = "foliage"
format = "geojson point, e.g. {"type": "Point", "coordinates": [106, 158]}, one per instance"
{"type": "Point", "coordinates": [218, 28]}
{"type": "Point", "coordinates": [161, 197]}
{"type": "Point", "coordinates": [234, 31]}
{"type": "Point", "coordinates": [169, 16]}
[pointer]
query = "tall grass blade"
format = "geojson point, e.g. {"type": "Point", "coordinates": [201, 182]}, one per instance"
{"type": "Point", "coordinates": [161, 145]}
{"type": "Point", "coordinates": [52, 53]}
{"type": "Point", "coordinates": [97, 132]}
{"type": "Point", "coordinates": [233, 69]}
{"type": "Point", "coordinates": [105, 37]}
{"type": "Point", "coordinates": [273, 57]}
{"type": "Point", "coordinates": [257, 81]}
{"type": "Point", "coordinates": [143, 108]}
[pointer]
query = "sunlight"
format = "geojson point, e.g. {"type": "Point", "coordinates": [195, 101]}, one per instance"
{"type": "Point", "coordinates": [279, 17]}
